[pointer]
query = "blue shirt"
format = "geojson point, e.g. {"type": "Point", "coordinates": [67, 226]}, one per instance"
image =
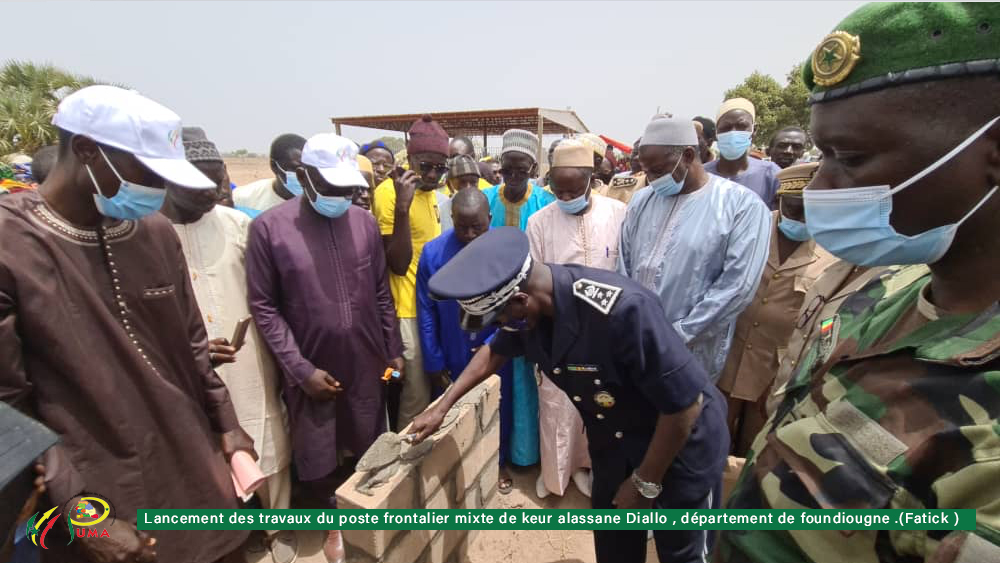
{"type": "Point", "coordinates": [444, 344]}
{"type": "Point", "coordinates": [761, 177]}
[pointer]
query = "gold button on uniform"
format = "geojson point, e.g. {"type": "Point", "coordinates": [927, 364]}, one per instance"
{"type": "Point", "coordinates": [599, 416]}
{"type": "Point", "coordinates": [577, 398]}
{"type": "Point", "coordinates": [749, 346]}
{"type": "Point", "coordinates": [556, 371]}
{"type": "Point", "coordinates": [764, 300]}
{"type": "Point", "coordinates": [619, 434]}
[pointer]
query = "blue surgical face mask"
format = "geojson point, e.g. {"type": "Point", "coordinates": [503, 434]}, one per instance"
{"type": "Point", "coordinates": [666, 185]}
{"type": "Point", "coordinates": [291, 182]}
{"type": "Point", "coordinates": [734, 144]}
{"type": "Point", "coordinates": [853, 223]}
{"type": "Point", "coordinates": [132, 202]}
{"type": "Point", "coordinates": [794, 230]}
{"type": "Point", "coordinates": [575, 205]}
{"type": "Point", "coordinates": [328, 206]}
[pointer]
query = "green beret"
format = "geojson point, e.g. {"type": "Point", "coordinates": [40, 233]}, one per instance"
{"type": "Point", "coordinates": [882, 45]}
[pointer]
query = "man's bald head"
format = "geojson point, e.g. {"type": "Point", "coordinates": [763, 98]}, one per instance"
{"type": "Point", "coordinates": [470, 213]}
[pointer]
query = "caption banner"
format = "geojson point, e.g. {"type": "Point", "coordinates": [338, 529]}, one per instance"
{"type": "Point", "coordinates": [586, 519]}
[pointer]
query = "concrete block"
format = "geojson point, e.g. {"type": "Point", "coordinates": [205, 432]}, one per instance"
{"type": "Point", "coordinates": [442, 498]}
{"type": "Point", "coordinates": [490, 407]}
{"type": "Point", "coordinates": [467, 473]}
{"type": "Point", "coordinates": [443, 544]}
{"type": "Point", "coordinates": [410, 547]}
{"type": "Point", "coordinates": [449, 448]}
{"type": "Point", "coordinates": [488, 480]}
{"type": "Point", "coordinates": [398, 492]}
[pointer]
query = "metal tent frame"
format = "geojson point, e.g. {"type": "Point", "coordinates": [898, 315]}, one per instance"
{"type": "Point", "coordinates": [479, 122]}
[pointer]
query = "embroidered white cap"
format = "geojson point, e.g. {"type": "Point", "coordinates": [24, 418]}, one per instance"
{"type": "Point", "coordinates": [129, 121]}
{"type": "Point", "coordinates": [336, 158]}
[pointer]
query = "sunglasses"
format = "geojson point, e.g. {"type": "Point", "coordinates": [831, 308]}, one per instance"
{"type": "Point", "coordinates": [426, 167]}
{"type": "Point", "coordinates": [515, 172]}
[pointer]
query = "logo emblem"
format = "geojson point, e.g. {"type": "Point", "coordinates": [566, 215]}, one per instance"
{"type": "Point", "coordinates": [835, 58]}
{"type": "Point", "coordinates": [173, 136]}
{"type": "Point", "coordinates": [88, 511]}
{"type": "Point", "coordinates": [604, 399]}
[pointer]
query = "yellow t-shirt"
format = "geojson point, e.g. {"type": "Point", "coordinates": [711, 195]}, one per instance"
{"type": "Point", "coordinates": [425, 225]}
{"type": "Point", "coordinates": [483, 184]}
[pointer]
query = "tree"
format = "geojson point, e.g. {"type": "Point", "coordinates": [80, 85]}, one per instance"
{"type": "Point", "coordinates": [29, 95]}
{"type": "Point", "coordinates": [777, 106]}
{"type": "Point", "coordinates": [395, 144]}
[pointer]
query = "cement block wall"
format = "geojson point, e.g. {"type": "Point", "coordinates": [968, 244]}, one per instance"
{"type": "Point", "coordinates": [459, 470]}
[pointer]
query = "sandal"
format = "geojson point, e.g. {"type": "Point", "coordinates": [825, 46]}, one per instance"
{"type": "Point", "coordinates": [505, 485]}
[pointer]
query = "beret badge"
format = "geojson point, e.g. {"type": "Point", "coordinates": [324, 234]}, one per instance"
{"type": "Point", "coordinates": [835, 58]}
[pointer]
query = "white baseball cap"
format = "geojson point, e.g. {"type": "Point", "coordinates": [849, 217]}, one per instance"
{"type": "Point", "coordinates": [336, 158]}
{"type": "Point", "coordinates": [128, 121]}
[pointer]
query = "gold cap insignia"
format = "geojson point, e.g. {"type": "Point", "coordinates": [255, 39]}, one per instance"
{"type": "Point", "coordinates": [604, 399]}
{"type": "Point", "coordinates": [835, 58]}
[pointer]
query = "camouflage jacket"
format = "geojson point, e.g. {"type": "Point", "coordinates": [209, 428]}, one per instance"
{"type": "Point", "coordinates": [894, 405]}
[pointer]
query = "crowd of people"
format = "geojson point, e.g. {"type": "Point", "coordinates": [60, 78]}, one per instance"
{"type": "Point", "coordinates": [760, 330]}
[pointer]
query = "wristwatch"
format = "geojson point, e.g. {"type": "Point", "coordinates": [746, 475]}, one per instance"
{"type": "Point", "coordinates": [645, 488]}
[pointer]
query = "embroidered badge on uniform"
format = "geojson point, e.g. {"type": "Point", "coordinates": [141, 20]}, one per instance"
{"type": "Point", "coordinates": [624, 182]}
{"type": "Point", "coordinates": [828, 331]}
{"type": "Point", "coordinates": [585, 368]}
{"type": "Point", "coordinates": [604, 399]}
{"type": "Point", "coordinates": [600, 296]}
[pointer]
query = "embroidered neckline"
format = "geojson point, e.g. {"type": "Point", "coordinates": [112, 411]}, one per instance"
{"type": "Point", "coordinates": [62, 228]}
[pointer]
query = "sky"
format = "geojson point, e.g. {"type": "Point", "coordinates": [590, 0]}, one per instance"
{"type": "Point", "coordinates": [249, 71]}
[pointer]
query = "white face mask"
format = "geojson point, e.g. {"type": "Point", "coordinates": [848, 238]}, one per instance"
{"type": "Point", "coordinates": [853, 223]}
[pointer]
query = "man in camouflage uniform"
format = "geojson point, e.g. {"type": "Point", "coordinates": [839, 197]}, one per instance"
{"type": "Point", "coordinates": [896, 402]}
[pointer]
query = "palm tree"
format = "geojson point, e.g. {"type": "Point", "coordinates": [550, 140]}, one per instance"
{"type": "Point", "coordinates": [29, 94]}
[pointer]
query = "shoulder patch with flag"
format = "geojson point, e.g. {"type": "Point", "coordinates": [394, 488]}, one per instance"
{"type": "Point", "coordinates": [598, 295]}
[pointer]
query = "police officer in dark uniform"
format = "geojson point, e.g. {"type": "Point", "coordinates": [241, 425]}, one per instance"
{"type": "Point", "coordinates": [655, 423]}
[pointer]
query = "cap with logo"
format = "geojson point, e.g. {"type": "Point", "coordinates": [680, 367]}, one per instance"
{"type": "Point", "coordinates": [126, 120]}
{"type": "Point", "coordinates": [484, 275]}
{"type": "Point", "coordinates": [336, 158]}
{"type": "Point", "coordinates": [882, 45]}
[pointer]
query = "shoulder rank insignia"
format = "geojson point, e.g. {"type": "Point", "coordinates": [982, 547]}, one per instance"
{"type": "Point", "coordinates": [598, 295]}
{"type": "Point", "coordinates": [624, 182]}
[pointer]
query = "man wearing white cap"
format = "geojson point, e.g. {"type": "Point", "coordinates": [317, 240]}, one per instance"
{"type": "Point", "coordinates": [734, 128]}
{"type": "Point", "coordinates": [319, 293]}
{"type": "Point", "coordinates": [583, 227]}
{"type": "Point", "coordinates": [102, 339]}
{"type": "Point", "coordinates": [697, 240]}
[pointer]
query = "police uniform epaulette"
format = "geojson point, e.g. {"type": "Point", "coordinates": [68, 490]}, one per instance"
{"type": "Point", "coordinates": [598, 295]}
{"type": "Point", "coordinates": [624, 182]}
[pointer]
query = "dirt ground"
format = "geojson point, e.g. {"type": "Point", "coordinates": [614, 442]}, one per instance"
{"type": "Point", "coordinates": [245, 170]}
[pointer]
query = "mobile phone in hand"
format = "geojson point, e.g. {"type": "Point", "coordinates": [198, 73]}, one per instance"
{"type": "Point", "coordinates": [240, 334]}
